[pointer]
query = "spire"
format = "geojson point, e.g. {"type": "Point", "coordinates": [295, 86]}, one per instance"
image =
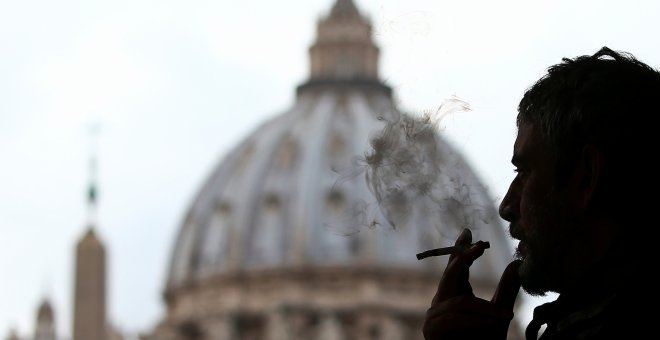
{"type": "Point", "coordinates": [89, 310]}
{"type": "Point", "coordinates": [45, 311]}
{"type": "Point", "coordinates": [89, 304]}
{"type": "Point", "coordinates": [92, 191]}
{"type": "Point", "coordinates": [45, 326]}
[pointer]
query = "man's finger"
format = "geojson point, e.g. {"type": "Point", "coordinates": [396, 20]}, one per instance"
{"type": "Point", "coordinates": [455, 279]}
{"type": "Point", "coordinates": [465, 237]}
{"type": "Point", "coordinates": [508, 287]}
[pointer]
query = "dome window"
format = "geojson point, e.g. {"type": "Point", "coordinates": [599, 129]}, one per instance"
{"type": "Point", "coordinates": [214, 245]}
{"type": "Point", "coordinates": [286, 154]}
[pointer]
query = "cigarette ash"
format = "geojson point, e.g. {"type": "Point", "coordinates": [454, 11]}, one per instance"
{"type": "Point", "coordinates": [410, 173]}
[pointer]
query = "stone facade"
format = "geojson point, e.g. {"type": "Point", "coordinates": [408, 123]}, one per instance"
{"type": "Point", "coordinates": [338, 303]}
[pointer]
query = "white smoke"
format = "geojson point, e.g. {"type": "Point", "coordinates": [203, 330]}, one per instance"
{"type": "Point", "coordinates": [406, 168]}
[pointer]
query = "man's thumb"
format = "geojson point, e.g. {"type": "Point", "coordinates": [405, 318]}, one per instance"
{"type": "Point", "coordinates": [507, 290]}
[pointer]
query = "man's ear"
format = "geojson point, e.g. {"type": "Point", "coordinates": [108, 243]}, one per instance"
{"type": "Point", "coordinates": [589, 169]}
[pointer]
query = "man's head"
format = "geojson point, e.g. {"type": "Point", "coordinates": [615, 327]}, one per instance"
{"type": "Point", "coordinates": [584, 139]}
{"type": "Point", "coordinates": [606, 99]}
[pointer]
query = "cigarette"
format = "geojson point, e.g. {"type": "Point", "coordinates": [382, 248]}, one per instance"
{"type": "Point", "coordinates": [445, 251]}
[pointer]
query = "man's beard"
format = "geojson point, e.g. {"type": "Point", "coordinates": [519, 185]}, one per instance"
{"type": "Point", "coordinates": [532, 275]}
{"type": "Point", "coordinates": [545, 241]}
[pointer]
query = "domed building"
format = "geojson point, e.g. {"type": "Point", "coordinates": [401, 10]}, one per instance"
{"type": "Point", "coordinates": [273, 248]}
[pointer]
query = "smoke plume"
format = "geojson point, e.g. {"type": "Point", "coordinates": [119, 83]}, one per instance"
{"type": "Point", "coordinates": [408, 171]}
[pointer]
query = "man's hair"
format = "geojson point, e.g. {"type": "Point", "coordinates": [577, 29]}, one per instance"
{"type": "Point", "coordinates": [609, 99]}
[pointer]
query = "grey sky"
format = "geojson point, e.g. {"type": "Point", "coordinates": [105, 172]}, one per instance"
{"type": "Point", "coordinates": [176, 84]}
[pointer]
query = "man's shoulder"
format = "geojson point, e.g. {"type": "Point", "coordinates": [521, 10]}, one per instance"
{"type": "Point", "coordinates": [616, 316]}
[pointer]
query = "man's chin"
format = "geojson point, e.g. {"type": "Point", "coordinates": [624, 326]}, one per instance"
{"type": "Point", "coordinates": [533, 281]}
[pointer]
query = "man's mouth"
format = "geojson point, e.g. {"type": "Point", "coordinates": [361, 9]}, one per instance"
{"type": "Point", "coordinates": [521, 250]}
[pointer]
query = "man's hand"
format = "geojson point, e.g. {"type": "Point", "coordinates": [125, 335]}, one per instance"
{"type": "Point", "coordinates": [456, 313]}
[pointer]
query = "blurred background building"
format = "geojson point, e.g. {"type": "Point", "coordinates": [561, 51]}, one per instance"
{"type": "Point", "coordinates": [272, 248]}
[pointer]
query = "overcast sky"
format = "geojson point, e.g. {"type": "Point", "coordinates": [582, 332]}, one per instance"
{"type": "Point", "coordinates": [175, 84]}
